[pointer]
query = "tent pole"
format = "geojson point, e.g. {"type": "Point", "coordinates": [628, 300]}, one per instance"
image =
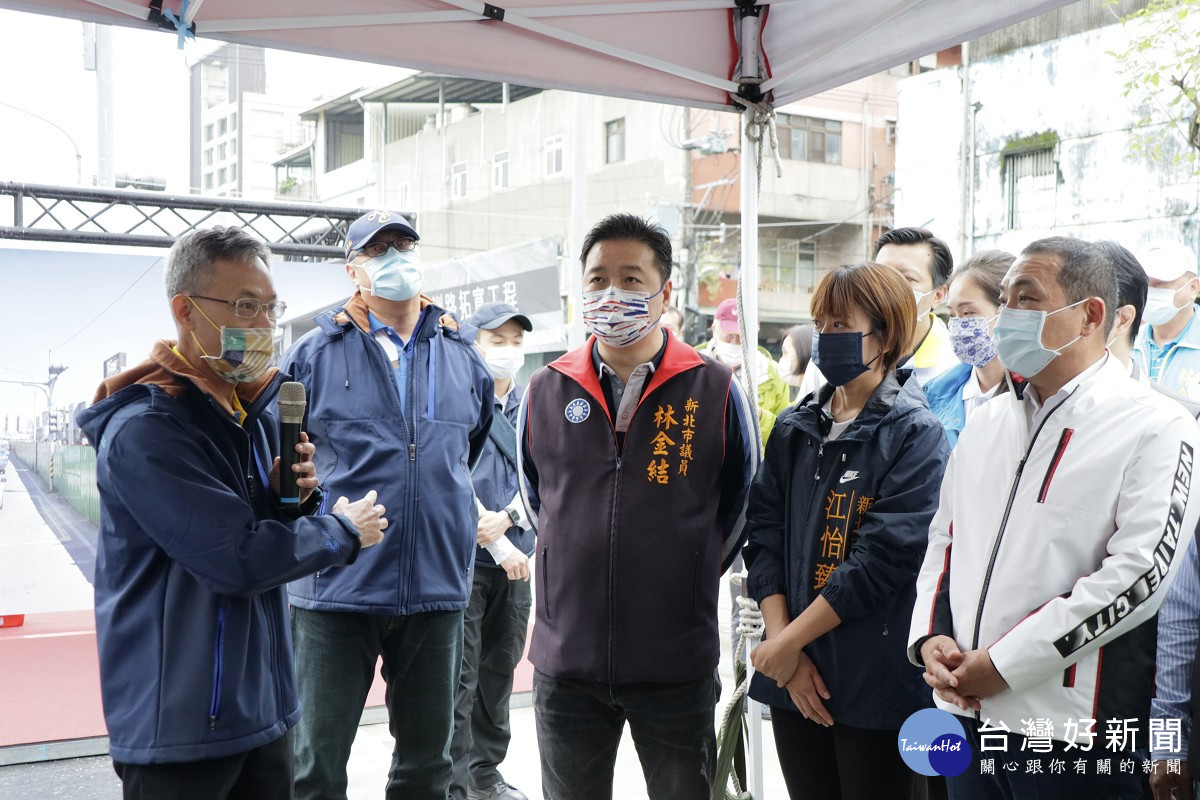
{"type": "Point", "coordinates": [748, 276]}
{"type": "Point", "coordinates": [576, 333]}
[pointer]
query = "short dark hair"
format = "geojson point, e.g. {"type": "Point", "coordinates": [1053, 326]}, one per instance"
{"type": "Point", "coordinates": [1132, 284]}
{"type": "Point", "coordinates": [884, 296]}
{"type": "Point", "coordinates": [631, 228]}
{"type": "Point", "coordinates": [987, 268]}
{"type": "Point", "coordinates": [1084, 270]}
{"type": "Point", "coordinates": [801, 338]}
{"type": "Point", "coordinates": [942, 263]}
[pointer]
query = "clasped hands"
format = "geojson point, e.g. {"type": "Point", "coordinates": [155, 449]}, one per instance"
{"type": "Point", "coordinates": [957, 677]}
{"type": "Point", "coordinates": [791, 668]}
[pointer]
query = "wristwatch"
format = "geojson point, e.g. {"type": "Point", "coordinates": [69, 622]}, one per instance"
{"type": "Point", "coordinates": [513, 514]}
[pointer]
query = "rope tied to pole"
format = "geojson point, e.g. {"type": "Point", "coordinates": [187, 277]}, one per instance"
{"type": "Point", "coordinates": [749, 631]}
{"type": "Point", "coordinates": [761, 127]}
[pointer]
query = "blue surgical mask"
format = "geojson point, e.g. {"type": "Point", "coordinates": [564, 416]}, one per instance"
{"type": "Point", "coordinates": [1018, 340]}
{"type": "Point", "coordinates": [971, 340]}
{"type": "Point", "coordinates": [839, 356]}
{"type": "Point", "coordinates": [394, 275]}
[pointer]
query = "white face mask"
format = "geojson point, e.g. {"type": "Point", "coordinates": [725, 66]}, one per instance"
{"type": "Point", "coordinates": [504, 362]}
{"type": "Point", "coordinates": [1161, 305]}
{"type": "Point", "coordinates": [918, 295]}
{"type": "Point", "coordinates": [729, 353]}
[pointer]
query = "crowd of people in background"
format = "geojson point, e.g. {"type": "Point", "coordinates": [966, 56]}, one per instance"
{"type": "Point", "coordinates": [988, 514]}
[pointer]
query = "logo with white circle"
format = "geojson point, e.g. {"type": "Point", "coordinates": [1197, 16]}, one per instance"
{"type": "Point", "coordinates": [578, 410]}
{"type": "Point", "coordinates": [933, 742]}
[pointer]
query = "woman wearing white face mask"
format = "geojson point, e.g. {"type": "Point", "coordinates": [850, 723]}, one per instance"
{"type": "Point", "coordinates": [974, 301]}
{"type": "Point", "coordinates": [726, 347]}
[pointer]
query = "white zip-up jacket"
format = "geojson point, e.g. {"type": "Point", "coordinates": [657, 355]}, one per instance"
{"type": "Point", "coordinates": [1052, 545]}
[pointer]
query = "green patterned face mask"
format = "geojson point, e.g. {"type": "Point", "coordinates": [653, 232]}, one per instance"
{"type": "Point", "coordinates": [246, 353]}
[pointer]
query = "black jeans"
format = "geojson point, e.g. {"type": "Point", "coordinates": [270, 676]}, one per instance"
{"type": "Point", "coordinates": [579, 726]}
{"type": "Point", "coordinates": [1012, 776]}
{"type": "Point", "coordinates": [264, 773]}
{"type": "Point", "coordinates": [335, 666]}
{"type": "Point", "coordinates": [494, 631]}
{"type": "Point", "coordinates": [845, 762]}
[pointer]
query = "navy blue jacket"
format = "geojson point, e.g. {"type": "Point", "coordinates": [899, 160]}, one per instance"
{"type": "Point", "coordinates": [420, 463]}
{"type": "Point", "coordinates": [849, 520]}
{"type": "Point", "coordinates": [496, 484]}
{"type": "Point", "coordinates": [191, 615]}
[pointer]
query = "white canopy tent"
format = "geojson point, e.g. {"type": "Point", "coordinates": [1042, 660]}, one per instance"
{"type": "Point", "coordinates": [699, 53]}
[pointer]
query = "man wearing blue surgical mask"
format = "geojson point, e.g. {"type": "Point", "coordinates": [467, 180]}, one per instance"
{"type": "Point", "coordinates": [399, 400]}
{"type": "Point", "coordinates": [1061, 524]}
{"type": "Point", "coordinates": [1168, 347]}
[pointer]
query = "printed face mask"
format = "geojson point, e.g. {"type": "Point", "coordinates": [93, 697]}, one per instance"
{"type": "Point", "coordinates": [504, 362]}
{"type": "Point", "coordinates": [394, 275]}
{"type": "Point", "coordinates": [839, 356]}
{"type": "Point", "coordinates": [246, 353]}
{"type": "Point", "coordinates": [619, 317]}
{"type": "Point", "coordinates": [971, 340]}
{"type": "Point", "coordinates": [1018, 340]}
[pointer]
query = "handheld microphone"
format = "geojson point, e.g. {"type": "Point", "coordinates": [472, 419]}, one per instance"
{"type": "Point", "coordinates": [292, 402]}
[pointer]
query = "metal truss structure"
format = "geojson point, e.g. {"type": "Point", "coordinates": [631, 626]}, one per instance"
{"type": "Point", "coordinates": [38, 213]}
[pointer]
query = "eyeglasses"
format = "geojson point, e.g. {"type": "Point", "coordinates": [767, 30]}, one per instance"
{"type": "Point", "coordinates": [376, 249]}
{"type": "Point", "coordinates": [248, 307]}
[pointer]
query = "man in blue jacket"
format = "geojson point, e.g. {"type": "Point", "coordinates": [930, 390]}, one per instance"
{"type": "Point", "coordinates": [637, 455]}
{"type": "Point", "coordinates": [498, 615]}
{"type": "Point", "coordinates": [191, 620]}
{"type": "Point", "coordinates": [398, 400]}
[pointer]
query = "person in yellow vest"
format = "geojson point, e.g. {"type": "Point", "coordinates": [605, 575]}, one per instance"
{"type": "Point", "coordinates": [726, 347]}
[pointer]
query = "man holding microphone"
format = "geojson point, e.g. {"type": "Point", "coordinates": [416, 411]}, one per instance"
{"type": "Point", "coordinates": [195, 546]}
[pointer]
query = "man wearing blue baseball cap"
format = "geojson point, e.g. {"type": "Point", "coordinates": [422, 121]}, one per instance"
{"type": "Point", "coordinates": [498, 614]}
{"type": "Point", "coordinates": [398, 400]}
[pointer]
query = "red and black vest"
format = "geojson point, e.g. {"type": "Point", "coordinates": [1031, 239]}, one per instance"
{"type": "Point", "coordinates": [629, 541]}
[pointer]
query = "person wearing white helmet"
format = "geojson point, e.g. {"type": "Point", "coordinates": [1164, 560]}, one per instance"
{"type": "Point", "coordinates": [1168, 348]}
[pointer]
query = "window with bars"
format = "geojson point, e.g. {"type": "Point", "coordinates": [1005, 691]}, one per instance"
{"type": "Point", "coordinates": [809, 139]}
{"type": "Point", "coordinates": [1030, 185]}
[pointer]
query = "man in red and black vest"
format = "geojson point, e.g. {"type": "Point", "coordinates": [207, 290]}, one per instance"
{"type": "Point", "coordinates": [636, 456]}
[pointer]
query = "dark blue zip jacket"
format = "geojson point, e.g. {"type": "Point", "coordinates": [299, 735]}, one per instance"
{"type": "Point", "coordinates": [496, 484]}
{"type": "Point", "coordinates": [849, 520]}
{"type": "Point", "coordinates": [419, 462]}
{"type": "Point", "coordinates": [191, 614]}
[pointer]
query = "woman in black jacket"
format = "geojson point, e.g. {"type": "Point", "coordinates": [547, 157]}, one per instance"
{"type": "Point", "coordinates": [838, 522]}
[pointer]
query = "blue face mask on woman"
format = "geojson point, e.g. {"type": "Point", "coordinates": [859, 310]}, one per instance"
{"type": "Point", "coordinates": [839, 356]}
{"type": "Point", "coordinates": [394, 275]}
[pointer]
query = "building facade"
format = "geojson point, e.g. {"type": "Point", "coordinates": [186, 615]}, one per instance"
{"type": "Point", "coordinates": [1036, 120]}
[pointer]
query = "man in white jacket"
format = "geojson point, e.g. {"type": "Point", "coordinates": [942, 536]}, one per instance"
{"type": "Point", "coordinates": [1064, 513]}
